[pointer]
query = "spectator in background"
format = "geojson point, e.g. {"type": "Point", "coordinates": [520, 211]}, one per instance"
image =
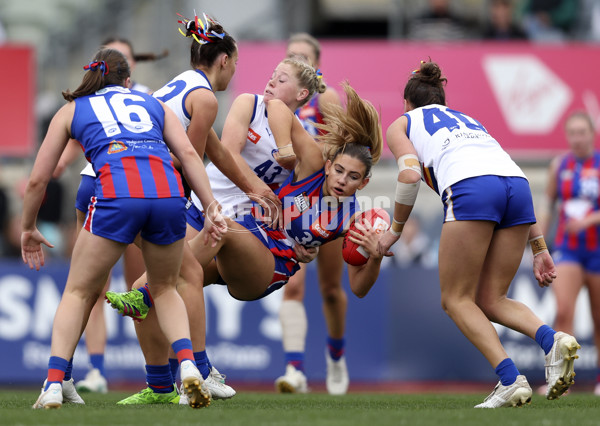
{"type": "Point", "coordinates": [573, 184]}
{"type": "Point", "coordinates": [549, 20]}
{"type": "Point", "coordinates": [501, 24]}
{"type": "Point", "coordinates": [438, 23]}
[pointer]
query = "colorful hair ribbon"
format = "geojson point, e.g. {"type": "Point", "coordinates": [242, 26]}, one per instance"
{"type": "Point", "coordinates": [93, 66]}
{"type": "Point", "coordinates": [418, 69]}
{"type": "Point", "coordinates": [319, 74]}
{"type": "Point", "coordinates": [201, 32]}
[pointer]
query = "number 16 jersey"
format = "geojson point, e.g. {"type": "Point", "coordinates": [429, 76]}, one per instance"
{"type": "Point", "coordinates": [452, 146]}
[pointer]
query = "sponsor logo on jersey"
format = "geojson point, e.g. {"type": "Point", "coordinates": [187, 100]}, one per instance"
{"type": "Point", "coordinates": [589, 173]}
{"type": "Point", "coordinates": [253, 136]}
{"type": "Point", "coordinates": [317, 229]}
{"type": "Point", "coordinates": [116, 146]}
{"type": "Point", "coordinates": [301, 202]}
{"type": "Point", "coordinates": [307, 112]}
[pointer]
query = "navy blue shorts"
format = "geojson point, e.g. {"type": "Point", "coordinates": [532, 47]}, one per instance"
{"type": "Point", "coordinates": [160, 220]}
{"type": "Point", "coordinates": [194, 216]}
{"type": "Point", "coordinates": [504, 200]}
{"type": "Point", "coordinates": [85, 192]}
{"type": "Point", "coordinates": [588, 259]}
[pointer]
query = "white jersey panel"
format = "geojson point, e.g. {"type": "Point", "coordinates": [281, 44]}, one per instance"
{"type": "Point", "coordinates": [175, 92]}
{"type": "Point", "coordinates": [88, 170]}
{"type": "Point", "coordinates": [452, 146]}
{"type": "Point", "coordinates": [258, 153]}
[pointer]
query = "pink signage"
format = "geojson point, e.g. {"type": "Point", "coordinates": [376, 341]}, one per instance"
{"type": "Point", "coordinates": [521, 92]}
{"type": "Point", "coordinates": [17, 85]}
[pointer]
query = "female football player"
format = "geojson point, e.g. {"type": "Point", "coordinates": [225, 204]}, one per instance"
{"type": "Point", "coordinates": [488, 218]}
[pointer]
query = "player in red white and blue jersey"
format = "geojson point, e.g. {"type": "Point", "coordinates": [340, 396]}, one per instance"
{"type": "Point", "coordinates": [330, 265]}
{"type": "Point", "coordinates": [133, 262]}
{"type": "Point", "coordinates": [574, 186]}
{"type": "Point", "coordinates": [488, 217]}
{"type": "Point", "coordinates": [256, 256]}
{"type": "Point", "coordinates": [126, 136]}
{"type": "Point", "coordinates": [310, 219]}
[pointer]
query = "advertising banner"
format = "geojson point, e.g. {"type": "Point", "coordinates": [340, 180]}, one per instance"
{"type": "Point", "coordinates": [17, 85]}
{"type": "Point", "coordinates": [398, 332]}
{"type": "Point", "coordinates": [520, 92]}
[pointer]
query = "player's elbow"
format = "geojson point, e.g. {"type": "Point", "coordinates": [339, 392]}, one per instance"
{"type": "Point", "coordinates": [358, 289]}
{"type": "Point", "coordinates": [409, 177]}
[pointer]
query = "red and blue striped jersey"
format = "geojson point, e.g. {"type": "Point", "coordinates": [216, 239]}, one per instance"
{"type": "Point", "coordinates": [310, 218]}
{"type": "Point", "coordinates": [578, 192]}
{"type": "Point", "coordinates": [310, 113]}
{"type": "Point", "coordinates": [121, 133]}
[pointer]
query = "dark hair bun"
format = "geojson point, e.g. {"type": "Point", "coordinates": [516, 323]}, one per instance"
{"type": "Point", "coordinates": [430, 73]}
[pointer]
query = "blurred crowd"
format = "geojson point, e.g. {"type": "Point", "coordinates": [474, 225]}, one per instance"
{"type": "Point", "coordinates": [534, 20]}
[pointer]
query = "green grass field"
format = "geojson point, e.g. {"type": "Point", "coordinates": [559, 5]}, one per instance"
{"type": "Point", "coordinates": [249, 408]}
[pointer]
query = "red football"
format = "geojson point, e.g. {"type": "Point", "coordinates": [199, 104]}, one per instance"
{"type": "Point", "coordinates": [352, 252]}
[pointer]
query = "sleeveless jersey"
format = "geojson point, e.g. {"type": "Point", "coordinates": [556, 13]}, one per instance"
{"type": "Point", "coordinates": [309, 114]}
{"type": "Point", "coordinates": [452, 146]}
{"type": "Point", "coordinates": [258, 153]}
{"type": "Point", "coordinates": [578, 191]}
{"type": "Point", "coordinates": [121, 134]}
{"type": "Point", "coordinates": [175, 92]}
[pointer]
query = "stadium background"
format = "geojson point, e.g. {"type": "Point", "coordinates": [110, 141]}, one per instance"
{"type": "Point", "coordinates": [520, 90]}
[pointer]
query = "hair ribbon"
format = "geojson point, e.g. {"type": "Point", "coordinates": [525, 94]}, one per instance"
{"type": "Point", "coordinates": [201, 33]}
{"type": "Point", "coordinates": [93, 66]}
{"type": "Point", "coordinates": [319, 74]}
{"type": "Point", "coordinates": [418, 69]}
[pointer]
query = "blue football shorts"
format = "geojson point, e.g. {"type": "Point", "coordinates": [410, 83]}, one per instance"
{"type": "Point", "coordinates": [85, 192]}
{"type": "Point", "coordinates": [160, 220]}
{"type": "Point", "coordinates": [588, 259]}
{"type": "Point", "coordinates": [504, 200]}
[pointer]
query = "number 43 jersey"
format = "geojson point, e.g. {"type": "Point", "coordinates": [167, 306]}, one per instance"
{"type": "Point", "coordinates": [121, 133]}
{"type": "Point", "coordinates": [258, 153]}
{"type": "Point", "coordinates": [452, 146]}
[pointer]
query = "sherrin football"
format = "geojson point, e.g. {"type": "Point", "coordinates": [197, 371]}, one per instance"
{"type": "Point", "coordinates": [353, 253]}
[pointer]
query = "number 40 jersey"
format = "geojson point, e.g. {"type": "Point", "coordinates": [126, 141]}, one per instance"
{"type": "Point", "coordinates": [452, 146]}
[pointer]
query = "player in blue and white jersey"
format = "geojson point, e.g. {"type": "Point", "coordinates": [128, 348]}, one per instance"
{"type": "Point", "coordinates": [191, 96]}
{"type": "Point", "coordinates": [488, 218]}
{"type": "Point", "coordinates": [126, 136]}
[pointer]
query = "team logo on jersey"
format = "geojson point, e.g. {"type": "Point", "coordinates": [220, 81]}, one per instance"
{"type": "Point", "coordinates": [116, 146]}
{"type": "Point", "coordinates": [301, 202]}
{"type": "Point", "coordinates": [566, 174]}
{"type": "Point", "coordinates": [253, 136]}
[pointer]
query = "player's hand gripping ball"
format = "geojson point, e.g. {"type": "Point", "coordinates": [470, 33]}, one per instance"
{"type": "Point", "coordinates": [353, 253]}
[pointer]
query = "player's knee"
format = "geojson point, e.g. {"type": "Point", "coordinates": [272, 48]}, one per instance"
{"type": "Point", "coordinates": [332, 294]}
